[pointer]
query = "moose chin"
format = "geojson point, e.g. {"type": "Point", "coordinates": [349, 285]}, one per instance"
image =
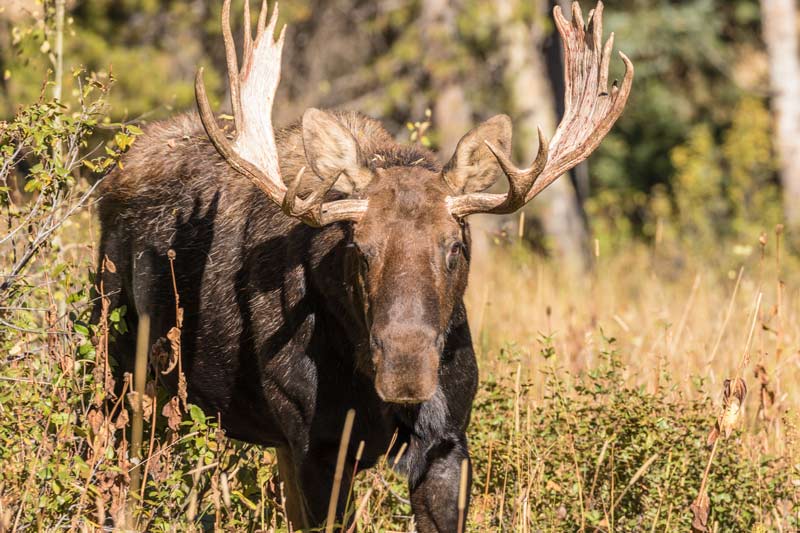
{"type": "Point", "coordinates": [322, 267]}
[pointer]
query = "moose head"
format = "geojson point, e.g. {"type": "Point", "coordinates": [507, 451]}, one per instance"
{"type": "Point", "coordinates": [409, 246]}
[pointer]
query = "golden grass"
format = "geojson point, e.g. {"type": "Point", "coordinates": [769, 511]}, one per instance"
{"type": "Point", "coordinates": [678, 320]}
{"type": "Point", "coordinates": [680, 316]}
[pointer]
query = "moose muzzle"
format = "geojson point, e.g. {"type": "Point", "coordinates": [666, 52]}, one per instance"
{"type": "Point", "coordinates": [406, 359]}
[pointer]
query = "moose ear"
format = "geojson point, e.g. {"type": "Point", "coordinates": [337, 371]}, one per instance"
{"type": "Point", "coordinates": [473, 168]}
{"type": "Point", "coordinates": [331, 149]}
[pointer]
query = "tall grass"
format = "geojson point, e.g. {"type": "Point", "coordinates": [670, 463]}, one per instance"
{"type": "Point", "coordinates": [599, 401]}
{"type": "Point", "coordinates": [609, 401]}
{"type": "Point", "coordinates": [681, 315]}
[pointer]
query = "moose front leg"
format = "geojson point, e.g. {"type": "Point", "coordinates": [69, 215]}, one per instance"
{"type": "Point", "coordinates": [307, 483]}
{"type": "Point", "coordinates": [434, 491]}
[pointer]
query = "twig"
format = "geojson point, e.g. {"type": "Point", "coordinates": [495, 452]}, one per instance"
{"type": "Point", "coordinates": [339, 472]}
{"type": "Point", "coordinates": [41, 238]}
{"type": "Point", "coordinates": [728, 314]}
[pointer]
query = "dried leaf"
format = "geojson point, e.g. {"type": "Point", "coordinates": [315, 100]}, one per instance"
{"type": "Point", "coordinates": [109, 265]}
{"type": "Point", "coordinates": [163, 357]}
{"type": "Point", "coordinates": [174, 337]}
{"type": "Point", "coordinates": [133, 400]}
{"type": "Point", "coordinates": [766, 396]}
{"type": "Point", "coordinates": [158, 468]}
{"type": "Point", "coordinates": [700, 509]}
{"type": "Point", "coordinates": [182, 394]}
{"type": "Point", "coordinates": [109, 385]}
{"type": "Point", "coordinates": [122, 460]}
{"type": "Point", "coordinates": [733, 401]}
{"type": "Point", "coordinates": [147, 403]}
{"type": "Point", "coordinates": [122, 419]}
{"type": "Point", "coordinates": [760, 374]}
{"type": "Point", "coordinates": [95, 419]}
{"type": "Point", "coordinates": [713, 435]}
{"type": "Point", "coordinates": [100, 506]}
{"type": "Point", "coordinates": [552, 485]}
{"type": "Point", "coordinates": [172, 412]}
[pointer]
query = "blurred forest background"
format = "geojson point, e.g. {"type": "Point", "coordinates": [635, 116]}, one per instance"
{"type": "Point", "coordinates": [612, 392]}
{"type": "Point", "coordinates": [692, 161]}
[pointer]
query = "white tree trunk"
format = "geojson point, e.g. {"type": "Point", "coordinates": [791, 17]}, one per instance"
{"type": "Point", "coordinates": [779, 20]}
{"type": "Point", "coordinates": [533, 104]}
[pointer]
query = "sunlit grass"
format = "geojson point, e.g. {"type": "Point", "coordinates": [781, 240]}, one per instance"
{"type": "Point", "coordinates": [598, 394]}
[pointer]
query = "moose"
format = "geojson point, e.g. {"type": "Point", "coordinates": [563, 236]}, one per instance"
{"type": "Point", "coordinates": [322, 267]}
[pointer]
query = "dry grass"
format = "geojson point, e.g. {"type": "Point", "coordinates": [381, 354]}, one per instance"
{"type": "Point", "coordinates": [668, 314]}
{"type": "Point", "coordinates": [569, 431]}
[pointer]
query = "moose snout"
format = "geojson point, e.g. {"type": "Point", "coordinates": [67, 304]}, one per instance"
{"type": "Point", "coordinates": [406, 359]}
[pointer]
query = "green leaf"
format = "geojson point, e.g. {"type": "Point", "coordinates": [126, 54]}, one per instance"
{"type": "Point", "coordinates": [196, 414]}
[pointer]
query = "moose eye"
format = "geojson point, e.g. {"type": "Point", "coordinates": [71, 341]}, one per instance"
{"type": "Point", "coordinates": [452, 255]}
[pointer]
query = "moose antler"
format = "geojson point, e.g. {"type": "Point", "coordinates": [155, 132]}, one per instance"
{"type": "Point", "coordinates": [253, 152]}
{"type": "Point", "coordinates": [590, 112]}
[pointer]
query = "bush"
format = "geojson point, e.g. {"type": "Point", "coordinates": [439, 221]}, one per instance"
{"type": "Point", "coordinates": [598, 455]}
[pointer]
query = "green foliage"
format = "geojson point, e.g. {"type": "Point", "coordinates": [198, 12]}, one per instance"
{"type": "Point", "coordinates": [752, 190]}
{"type": "Point", "coordinates": [723, 189]}
{"type": "Point", "coordinates": [694, 143]}
{"type": "Point", "coordinates": [727, 189]}
{"type": "Point", "coordinates": [590, 452]}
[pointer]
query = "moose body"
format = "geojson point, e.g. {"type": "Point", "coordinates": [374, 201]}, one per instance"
{"type": "Point", "coordinates": [341, 289]}
{"type": "Point", "coordinates": [271, 338]}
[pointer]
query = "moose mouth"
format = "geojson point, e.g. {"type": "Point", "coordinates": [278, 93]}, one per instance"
{"type": "Point", "coordinates": [406, 362]}
{"type": "Point", "coordinates": [405, 388]}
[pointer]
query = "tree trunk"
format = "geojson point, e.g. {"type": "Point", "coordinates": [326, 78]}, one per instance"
{"type": "Point", "coordinates": [534, 104]}
{"type": "Point", "coordinates": [779, 19]}
{"type": "Point", "coordinates": [452, 114]}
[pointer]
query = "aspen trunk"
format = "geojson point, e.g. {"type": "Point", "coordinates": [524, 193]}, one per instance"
{"type": "Point", "coordinates": [534, 104]}
{"type": "Point", "coordinates": [779, 20]}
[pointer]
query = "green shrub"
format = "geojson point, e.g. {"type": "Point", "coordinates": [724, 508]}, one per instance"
{"type": "Point", "coordinates": [593, 454]}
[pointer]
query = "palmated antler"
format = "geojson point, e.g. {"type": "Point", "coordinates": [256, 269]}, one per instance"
{"type": "Point", "coordinates": [253, 152]}
{"type": "Point", "coordinates": [590, 112]}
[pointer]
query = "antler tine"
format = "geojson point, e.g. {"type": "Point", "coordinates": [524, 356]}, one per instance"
{"type": "Point", "coordinates": [296, 206]}
{"type": "Point", "coordinates": [577, 17]}
{"type": "Point", "coordinates": [316, 213]}
{"type": "Point", "coordinates": [232, 62]}
{"type": "Point", "coordinates": [262, 17]}
{"type": "Point", "coordinates": [253, 152]}
{"type": "Point", "coordinates": [590, 110]}
{"type": "Point", "coordinates": [519, 183]}
{"type": "Point", "coordinates": [606, 61]}
{"type": "Point", "coordinates": [247, 47]}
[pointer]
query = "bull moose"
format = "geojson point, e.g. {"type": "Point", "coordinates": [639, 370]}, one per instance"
{"type": "Point", "coordinates": [310, 293]}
